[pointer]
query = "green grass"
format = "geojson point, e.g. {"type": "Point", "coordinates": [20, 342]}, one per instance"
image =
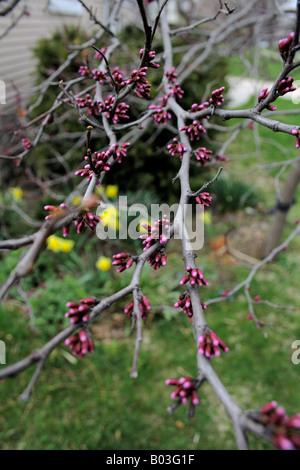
{"type": "Point", "coordinates": [93, 403]}
{"type": "Point", "coordinates": [267, 61]}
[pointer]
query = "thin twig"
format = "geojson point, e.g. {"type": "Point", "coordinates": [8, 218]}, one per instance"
{"type": "Point", "coordinates": [139, 336]}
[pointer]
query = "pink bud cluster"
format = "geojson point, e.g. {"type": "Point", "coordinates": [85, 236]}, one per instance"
{"type": "Point", "coordinates": [142, 85]}
{"type": "Point", "coordinates": [204, 198]}
{"type": "Point", "coordinates": [195, 108]}
{"type": "Point", "coordinates": [216, 98]}
{"type": "Point", "coordinates": [88, 219]}
{"type": "Point", "coordinates": [27, 144]}
{"type": "Point", "coordinates": [203, 155]}
{"type": "Point", "coordinates": [177, 148]}
{"type": "Point", "coordinates": [118, 151]}
{"type": "Point", "coordinates": [194, 130]}
{"type": "Point", "coordinates": [286, 85]}
{"type": "Point", "coordinates": [120, 111]}
{"type": "Point", "coordinates": [161, 116]}
{"type": "Point", "coordinates": [284, 46]}
{"type": "Point", "coordinates": [80, 312]}
{"type": "Point", "coordinates": [80, 344]}
{"type": "Point", "coordinates": [158, 259]}
{"type": "Point", "coordinates": [118, 78]}
{"type": "Point", "coordinates": [210, 345]}
{"type": "Point", "coordinates": [87, 102]}
{"type": "Point", "coordinates": [107, 105]}
{"type": "Point", "coordinates": [172, 75]}
{"type": "Point", "coordinates": [285, 430]}
{"type": "Point", "coordinates": [185, 389]}
{"type": "Point", "coordinates": [176, 90]}
{"type": "Point", "coordinates": [98, 55]}
{"type": "Point", "coordinates": [158, 231]}
{"type": "Point", "coordinates": [185, 303]}
{"type": "Point", "coordinates": [123, 260]}
{"type": "Point", "coordinates": [96, 108]}
{"type": "Point", "coordinates": [263, 95]}
{"type": "Point", "coordinates": [99, 163]}
{"type": "Point", "coordinates": [149, 59]}
{"type": "Point", "coordinates": [144, 307]}
{"type": "Point", "coordinates": [194, 276]}
{"type": "Point", "coordinates": [99, 75]}
{"type": "Point", "coordinates": [54, 212]}
{"type": "Point", "coordinates": [84, 71]}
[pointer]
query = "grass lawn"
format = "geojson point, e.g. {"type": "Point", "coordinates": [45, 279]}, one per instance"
{"type": "Point", "coordinates": [93, 404]}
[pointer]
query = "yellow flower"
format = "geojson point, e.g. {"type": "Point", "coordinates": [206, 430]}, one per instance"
{"type": "Point", "coordinates": [54, 243]}
{"type": "Point", "coordinates": [103, 263]}
{"type": "Point", "coordinates": [66, 245]}
{"type": "Point", "coordinates": [16, 193]}
{"type": "Point", "coordinates": [110, 217]}
{"type": "Point", "coordinates": [58, 244]}
{"type": "Point", "coordinates": [111, 191]}
{"type": "Point", "coordinates": [76, 200]}
{"type": "Point", "coordinates": [206, 217]}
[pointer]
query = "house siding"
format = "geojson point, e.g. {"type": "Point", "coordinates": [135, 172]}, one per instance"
{"type": "Point", "coordinates": [17, 63]}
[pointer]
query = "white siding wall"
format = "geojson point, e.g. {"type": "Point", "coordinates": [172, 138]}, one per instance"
{"type": "Point", "coordinates": [16, 59]}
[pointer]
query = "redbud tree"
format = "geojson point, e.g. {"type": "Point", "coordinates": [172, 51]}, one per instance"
{"type": "Point", "coordinates": [105, 105]}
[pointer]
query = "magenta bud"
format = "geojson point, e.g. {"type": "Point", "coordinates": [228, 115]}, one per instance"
{"type": "Point", "coordinates": [146, 303]}
{"type": "Point", "coordinates": [202, 339]}
{"type": "Point", "coordinates": [121, 269]}
{"type": "Point", "coordinates": [284, 443]}
{"type": "Point", "coordinates": [171, 382]}
{"type": "Point", "coordinates": [294, 421]}
{"type": "Point", "coordinates": [72, 305]}
{"type": "Point", "coordinates": [82, 336]}
{"type": "Point", "coordinates": [184, 280]}
{"type": "Point", "coordinates": [89, 301]}
{"type": "Point", "coordinates": [182, 380]}
{"type": "Point", "coordinates": [83, 308]}
{"type": "Point", "coordinates": [163, 238]}
{"type": "Point", "coordinates": [120, 255]}
{"type": "Point", "coordinates": [65, 231]}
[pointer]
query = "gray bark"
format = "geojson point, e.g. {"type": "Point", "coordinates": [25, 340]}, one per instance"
{"type": "Point", "coordinates": [287, 197]}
